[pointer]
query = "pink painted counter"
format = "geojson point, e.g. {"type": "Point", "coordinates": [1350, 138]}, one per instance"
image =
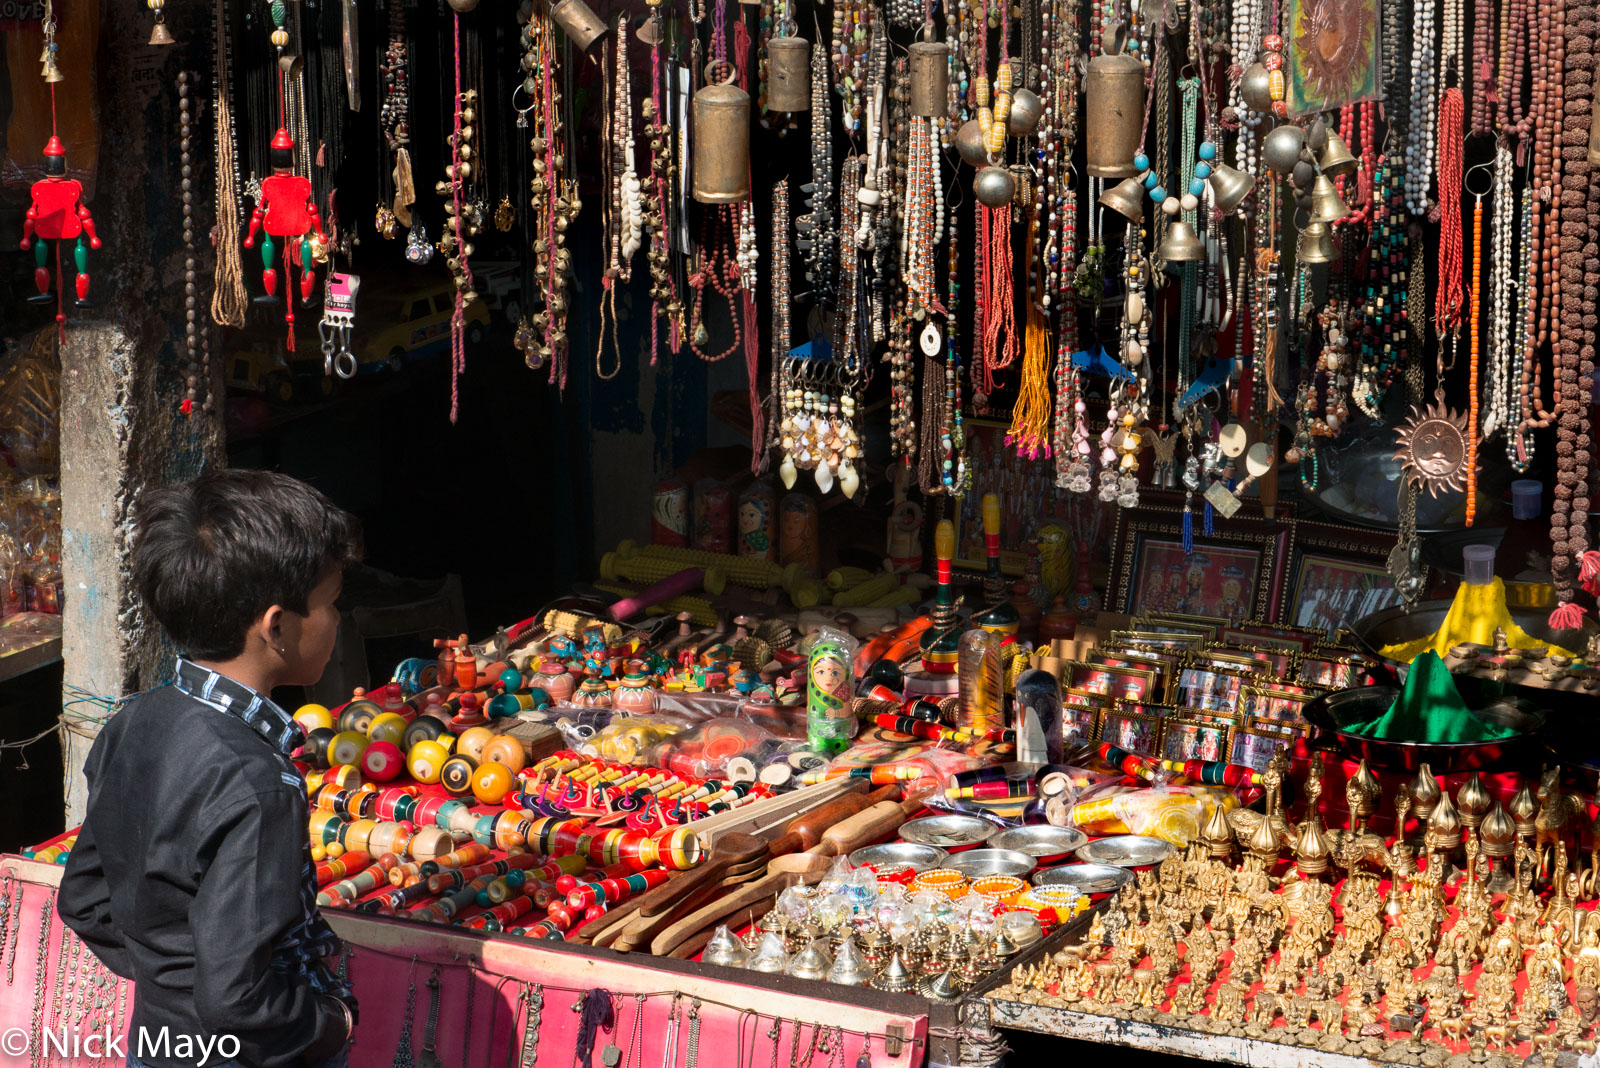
{"type": "Point", "coordinates": [484, 981]}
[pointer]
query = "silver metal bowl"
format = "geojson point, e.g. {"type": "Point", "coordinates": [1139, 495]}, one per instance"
{"type": "Point", "coordinates": [1126, 851]}
{"type": "Point", "coordinates": [977, 863]}
{"type": "Point", "coordinates": [919, 858]}
{"type": "Point", "coordinates": [1044, 843]}
{"type": "Point", "coordinates": [951, 833]}
{"type": "Point", "coordinates": [1096, 880]}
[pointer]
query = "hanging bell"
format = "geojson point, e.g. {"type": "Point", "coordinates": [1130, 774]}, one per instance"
{"type": "Point", "coordinates": [1336, 159]}
{"type": "Point", "coordinates": [1113, 93]}
{"type": "Point", "coordinates": [721, 144]}
{"type": "Point", "coordinates": [1126, 198]}
{"type": "Point", "coordinates": [159, 34]}
{"type": "Point", "coordinates": [51, 72]}
{"type": "Point", "coordinates": [578, 20]}
{"type": "Point", "coordinates": [1326, 204]}
{"type": "Point", "coordinates": [1182, 244]}
{"type": "Point", "coordinates": [969, 144]}
{"type": "Point", "coordinates": [930, 79]}
{"type": "Point", "coordinates": [1316, 244]}
{"type": "Point", "coordinates": [1280, 149]}
{"type": "Point", "coordinates": [1026, 111]}
{"type": "Point", "coordinates": [1229, 187]}
{"type": "Point", "coordinates": [788, 74]}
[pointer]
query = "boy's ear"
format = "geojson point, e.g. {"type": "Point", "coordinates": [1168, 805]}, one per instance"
{"type": "Point", "coordinates": [270, 627]}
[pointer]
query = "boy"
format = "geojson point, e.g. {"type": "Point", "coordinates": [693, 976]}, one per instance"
{"type": "Point", "coordinates": [192, 874]}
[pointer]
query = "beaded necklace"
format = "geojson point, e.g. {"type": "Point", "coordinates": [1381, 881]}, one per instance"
{"type": "Point", "coordinates": [1502, 294]}
{"type": "Point", "coordinates": [658, 205]}
{"type": "Point", "coordinates": [229, 297]}
{"type": "Point", "coordinates": [816, 228]}
{"type": "Point", "coordinates": [1419, 147]}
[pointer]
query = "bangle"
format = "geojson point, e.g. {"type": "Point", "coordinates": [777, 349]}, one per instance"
{"type": "Point", "coordinates": [947, 881]}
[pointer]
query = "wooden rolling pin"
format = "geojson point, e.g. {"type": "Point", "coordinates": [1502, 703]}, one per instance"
{"type": "Point", "coordinates": [804, 832]}
{"type": "Point", "coordinates": [801, 832]}
{"type": "Point", "coordinates": [864, 828]}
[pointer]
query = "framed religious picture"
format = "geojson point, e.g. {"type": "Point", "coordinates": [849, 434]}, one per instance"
{"type": "Point", "coordinates": [1131, 731]}
{"type": "Point", "coordinates": [1254, 747]}
{"type": "Point", "coordinates": [1210, 689]}
{"type": "Point", "coordinates": [1117, 683]}
{"type": "Point", "coordinates": [1032, 508]}
{"type": "Point", "coordinates": [1078, 718]}
{"type": "Point", "coordinates": [1332, 56]}
{"type": "Point", "coordinates": [1337, 576]}
{"type": "Point", "coordinates": [1276, 705]}
{"type": "Point", "coordinates": [1165, 666]}
{"type": "Point", "coordinates": [1233, 575]}
{"type": "Point", "coordinates": [1137, 641]}
{"type": "Point", "coordinates": [1328, 671]}
{"type": "Point", "coordinates": [1281, 663]}
{"type": "Point", "coordinates": [1229, 660]}
{"type": "Point", "coordinates": [1145, 708]}
{"type": "Point", "coordinates": [1188, 739]}
{"type": "Point", "coordinates": [1261, 634]}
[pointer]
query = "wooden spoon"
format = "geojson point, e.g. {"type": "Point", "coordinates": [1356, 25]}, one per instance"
{"type": "Point", "coordinates": [783, 872]}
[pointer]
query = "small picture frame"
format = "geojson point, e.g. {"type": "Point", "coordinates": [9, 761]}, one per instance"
{"type": "Point", "coordinates": [1079, 714]}
{"type": "Point", "coordinates": [1261, 634]}
{"type": "Point", "coordinates": [1284, 663]}
{"type": "Point", "coordinates": [1273, 704]}
{"type": "Point", "coordinates": [1155, 640]}
{"type": "Point", "coordinates": [1131, 731]}
{"type": "Point", "coordinates": [1117, 683]}
{"type": "Point", "coordinates": [1164, 665]}
{"type": "Point", "coordinates": [1209, 689]}
{"type": "Point", "coordinates": [1244, 663]}
{"type": "Point", "coordinates": [1143, 708]}
{"type": "Point", "coordinates": [1190, 739]}
{"type": "Point", "coordinates": [1254, 747]}
{"type": "Point", "coordinates": [1327, 671]}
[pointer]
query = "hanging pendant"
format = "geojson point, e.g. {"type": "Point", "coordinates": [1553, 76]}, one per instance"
{"type": "Point", "coordinates": [1433, 448]}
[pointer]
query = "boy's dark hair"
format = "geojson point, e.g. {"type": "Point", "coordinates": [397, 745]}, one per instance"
{"type": "Point", "coordinates": [211, 555]}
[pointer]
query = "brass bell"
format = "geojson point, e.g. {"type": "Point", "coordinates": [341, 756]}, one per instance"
{"type": "Point", "coordinates": [578, 20]}
{"type": "Point", "coordinates": [1326, 204]}
{"type": "Point", "coordinates": [1336, 159]}
{"type": "Point", "coordinates": [1316, 244]}
{"type": "Point", "coordinates": [1126, 198]}
{"type": "Point", "coordinates": [994, 187]}
{"type": "Point", "coordinates": [1182, 244]}
{"type": "Point", "coordinates": [1113, 91]}
{"type": "Point", "coordinates": [159, 35]}
{"type": "Point", "coordinates": [789, 74]}
{"type": "Point", "coordinates": [930, 79]}
{"type": "Point", "coordinates": [1229, 187]}
{"type": "Point", "coordinates": [721, 144]}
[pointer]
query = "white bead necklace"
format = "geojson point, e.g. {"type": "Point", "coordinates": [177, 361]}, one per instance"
{"type": "Point", "coordinates": [1424, 113]}
{"type": "Point", "coordinates": [1502, 294]}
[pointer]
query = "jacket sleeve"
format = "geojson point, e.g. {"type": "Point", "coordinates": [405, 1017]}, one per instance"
{"type": "Point", "coordinates": [247, 902]}
{"type": "Point", "coordinates": [84, 904]}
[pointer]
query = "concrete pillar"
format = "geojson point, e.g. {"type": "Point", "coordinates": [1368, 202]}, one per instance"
{"type": "Point", "coordinates": [122, 373]}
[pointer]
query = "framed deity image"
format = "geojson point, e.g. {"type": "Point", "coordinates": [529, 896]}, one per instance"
{"type": "Point", "coordinates": [1254, 747]}
{"type": "Point", "coordinates": [1188, 739]}
{"type": "Point", "coordinates": [1164, 665]}
{"type": "Point", "coordinates": [1131, 731]}
{"type": "Point", "coordinates": [1281, 663]}
{"type": "Point", "coordinates": [1117, 683]}
{"type": "Point", "coordinates": [1300, 639]}
{"type": "Point", "coordinates": [1232, 576]}
{"type": "Point", "coordinates": [1276, 705]}
{"type": "Point", "coordinates": [1210, 690]}
{"type": "Point", "coordinates": [1080, 711]}
{"type": "Point", "coordinates": [1327, 671]}
{"type": "Point", "coordinates": [1337, 576]}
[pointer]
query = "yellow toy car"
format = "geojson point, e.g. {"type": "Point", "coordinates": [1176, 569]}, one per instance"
{"type": "Point", "coordinates": [393, 328]}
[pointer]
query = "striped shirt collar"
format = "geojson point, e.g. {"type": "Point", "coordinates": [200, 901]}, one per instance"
{"type": "Point", "coordinates": [233, 698]}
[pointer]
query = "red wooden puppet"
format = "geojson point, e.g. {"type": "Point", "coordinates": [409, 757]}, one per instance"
{"type": "Point", "coordinates": [57, 214]}
{"type": "Point", "coordinates": [286, 209]}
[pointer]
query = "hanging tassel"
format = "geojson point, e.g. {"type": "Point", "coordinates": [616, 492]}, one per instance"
{"type": "Point", "coordinates": [1210, 514]}
{"type": "Point", "coordinates": [1188, 525]}
{"type": "Point", "coordinates": [1589, 571]}
{"type": "Point", "coordinates": [1567, 617]}
{"type": "Point", "coordinates": [1030, 419]}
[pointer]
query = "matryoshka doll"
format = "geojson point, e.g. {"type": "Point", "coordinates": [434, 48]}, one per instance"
{"type": "Point", "coordinates": [830, 721]}
{"type": "Point", "coordinates": [757, 514]}
{"type": "Point", "coordinates": [797, 533]}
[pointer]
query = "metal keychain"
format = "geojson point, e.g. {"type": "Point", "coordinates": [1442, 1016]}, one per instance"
{"type": "Point", "coordinates": [338, 323]}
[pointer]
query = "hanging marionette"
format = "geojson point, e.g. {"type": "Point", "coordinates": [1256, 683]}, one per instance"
{"type": "Point", "coordinates": [57, 214]}
{"type": "Point", "coordinates": [286, 210]}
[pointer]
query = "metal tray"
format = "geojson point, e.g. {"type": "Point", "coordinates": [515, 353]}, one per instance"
{"type": "Point", "coordinates": [980, 862]}
{"type": "Point", "coordinates": [1043, 842]}
{"type": "Point", "coordinates": [1096, 880]}
{"type": "Point", "coordinates": [1126, 851]}
{"type": "Point", "coordinates": [919, 858]}
{"type": "Point", "coordinates": [951, 833]}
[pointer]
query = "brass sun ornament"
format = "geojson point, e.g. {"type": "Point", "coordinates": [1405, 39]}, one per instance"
{"type": "Point", "coordinates": [1433, 448]}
